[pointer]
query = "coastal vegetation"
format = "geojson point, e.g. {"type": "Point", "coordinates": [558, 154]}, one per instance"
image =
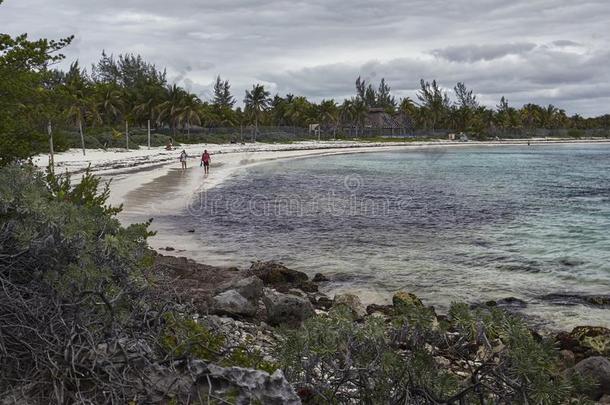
{"type": "Point", "coordinates": [116, 100]}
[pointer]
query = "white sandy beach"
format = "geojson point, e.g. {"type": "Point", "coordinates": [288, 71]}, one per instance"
{"type": "Point", "coordinates": [121, 166]}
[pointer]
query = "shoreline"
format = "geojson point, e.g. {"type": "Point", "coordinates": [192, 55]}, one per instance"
{"type": "Point", "coordinates": [161, 187]}
{"type": "Point", "coordinates": [118, 164]}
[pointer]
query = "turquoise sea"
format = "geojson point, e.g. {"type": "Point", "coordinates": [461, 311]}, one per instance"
{"type": "Point", "coordinates": [472, 223]}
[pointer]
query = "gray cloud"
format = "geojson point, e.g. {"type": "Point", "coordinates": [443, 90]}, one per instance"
{"type": "Point", "coordinates": [474, 53]}
{"type": "Point", "coordinates": [540, 51]}
{"type": "Point", "coordinates": [565, 43]}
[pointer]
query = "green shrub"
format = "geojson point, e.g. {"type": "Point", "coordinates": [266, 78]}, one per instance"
{"type": "Point", "coordinates": [332, 359]}
{"type": "Point", "coordinates": [155, 140]}
{"type": "Point", "coordinates": [340, 361]}
{"type": "Point", "coordinates": [184, 337]}
{"type": "Point", "coordinates": [73, 281]}
{"type": "Point", "coordinates": [249, 357]}
{"type": "Point", "coordinates": [530, 362]}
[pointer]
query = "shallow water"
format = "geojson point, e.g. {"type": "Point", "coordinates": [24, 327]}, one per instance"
{"type": "Point", "coordinates": [449, 224]}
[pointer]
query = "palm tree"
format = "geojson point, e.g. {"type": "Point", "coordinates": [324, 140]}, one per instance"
{"type": "Point", "coordinates": [109, 103]}
{"type": "Point", "coordinates": [128, 107]}
{"type": "Point", "coordinates": [257, 101]}
{"type": "Point", "coordinates": [189, 111]}
{"type": "Point", "coordinates": [359, 113]}
{"type": "Point", "coordinates": [531, 115]}
{"type": "Point", "coordinates": [345, 113]}
{"type": "Point", "coordinates": [408, 112]}
{"type": "Point", "coordinates": [79, 104]}
{"type": "Point", "coordinates": [146, 107]}
{"type": "Point", "coordinates": [297, 111]}
{"type": "Point", "coordinates": [76, 114]}
{"type": "Point", "coordinates": [169, 110]}
{"type": "Point", "coordinates": [329, 114]}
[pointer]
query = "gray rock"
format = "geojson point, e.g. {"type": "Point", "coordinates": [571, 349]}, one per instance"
{"type": "Point", "coordinates": [250, 288]}
{"type": "Point", "coordinates": [297, 292]}
{"type": "Point", "coordinates": [251, 386]}
{"type": "Point", "coordinates": [232, 303]}
{"type": "Point", "coordinates": [276, 273]}
{"type": "Point", "coordinates": [197, 379]}
{"type": "Point", "coordinates": [597, 369]}
{"type": "Point", "coordinates": [286, 309]}
{"type": "Point", "coordinates": [324, 303]}
{"type": "Point", "coordinates": [352, 302]}
{"type": "Point", "coordinates": [320, 278]}
{"type": "Point", "coordinates": [568, 357]}
{"type": "Point", "coordinates": [605, 399]}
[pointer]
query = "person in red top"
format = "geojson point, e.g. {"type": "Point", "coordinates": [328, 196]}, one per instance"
{"type": "Point", "coordinates": [205, 161]}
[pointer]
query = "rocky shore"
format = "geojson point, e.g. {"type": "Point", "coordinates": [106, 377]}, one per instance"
{"type": "Point", "coordinates": [248, 307]}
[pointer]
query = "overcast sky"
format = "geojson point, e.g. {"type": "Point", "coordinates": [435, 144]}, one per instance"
{"type": "Point", "coordinates": [543, 51]}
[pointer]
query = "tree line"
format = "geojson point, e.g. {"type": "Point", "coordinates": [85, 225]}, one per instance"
{"type": "Point", "coordinates": [123, 92]}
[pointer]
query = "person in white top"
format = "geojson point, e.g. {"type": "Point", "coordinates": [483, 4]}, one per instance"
{"type": "Point", "coordinates": [183, 157]}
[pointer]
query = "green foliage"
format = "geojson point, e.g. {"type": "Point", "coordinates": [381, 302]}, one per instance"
{"type": "Point", "coordinates": [343, 361]}
{"type": "Point", "coordinates": [185, 337]}
{"type": "Point", "coordinates": [222, 94]}
{"type": "Point", "coordinates": [419, 317]}
{"type": "Point", "coordinates": [26, 101]}
{"type": "Point", "coordinates": [249, 357]}
{"type": "Point", "coordinates": [335, 360]}
{"type": "Point", "coordinates": [257, 101]}
{"type": "Point", "coordinates": [531, 364]}
{"type": "Point", "coordinates": [73, 282]}
{"type": "Point", "coordinates": [85, 194]}
{"type": "Point", "coordinates": [70, 231]}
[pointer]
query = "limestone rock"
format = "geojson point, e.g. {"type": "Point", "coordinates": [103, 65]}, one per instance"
{"type": "Point", "coordinates": [276, 273]}
{"type": "Point", "coordinates": [286, 309]}
{"type": "Point", "coordinates": [320, 278]}
{"type": "Point", "coordinates": [568, 357]}
{"type": "Point", "coordinates": [323, 302]}
{"type": "Point", "coordinates": [352, 302]}
{"type": "Point", "coordinates": [253, 386]}
{"type": "Point", "coordinates": [243, 386]}
{"type": "Point", "coordinates": [232, 303]}
{"type": "Point", "coordinates": [281, 278]}
{"type": "Point", "coordinates": [597, 369]}
{"type": "Point", "coordinates": [403, 298]}
{"type": "Point", "coordinates": [250, 288]}
{"type": "Point", "coordinates": [585, 341]}
{"type": "Point", "coordinates": [509, 303]}
{"type": "Point", "coordinates": [308, 286]}
{"type": "Point", "coordinates": [387, 310]}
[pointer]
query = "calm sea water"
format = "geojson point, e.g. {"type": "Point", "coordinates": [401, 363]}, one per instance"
{"type": "Point", "coordinates": [449, 224]}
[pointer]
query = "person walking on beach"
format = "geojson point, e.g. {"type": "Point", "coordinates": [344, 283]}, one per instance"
{"type": "Point", "coordinates": [205, 161]}
{"type": "Point", "coordinates": [183, 157]}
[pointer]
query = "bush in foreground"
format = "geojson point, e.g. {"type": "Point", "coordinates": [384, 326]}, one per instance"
{"type": "Point", "coordinates": [82, 319]}
{"type": "Point", "coordinates": [71, 283]}
{"type": "Point", "coordinates": [475, 356]}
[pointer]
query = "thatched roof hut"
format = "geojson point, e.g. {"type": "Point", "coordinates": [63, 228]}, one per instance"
{"type": "Point", "coordinates": [379, 118]}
